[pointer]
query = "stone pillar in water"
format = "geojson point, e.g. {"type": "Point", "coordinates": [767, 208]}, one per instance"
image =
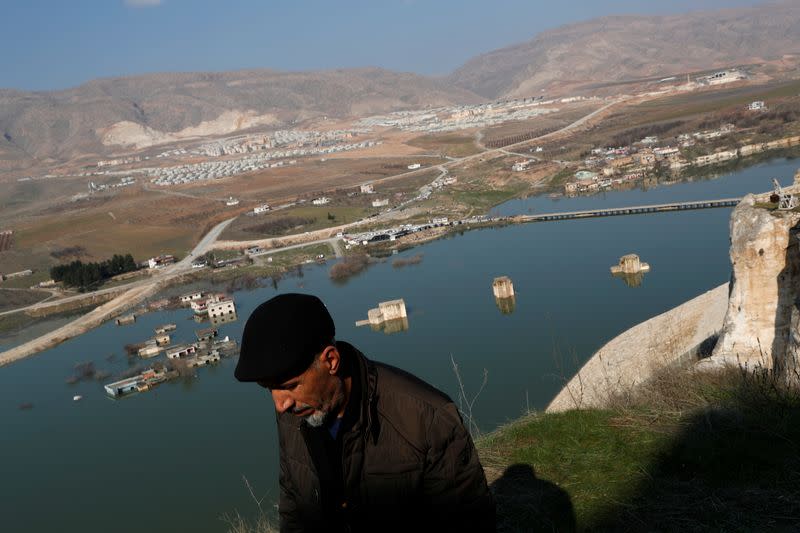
{"type": "Point", "coordinates": [503, 290]}
{"type": "Point", "coordinates": [503, 287]}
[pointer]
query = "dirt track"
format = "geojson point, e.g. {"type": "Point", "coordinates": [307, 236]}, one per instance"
{"type": "Point", "coordinates": [137, 293]}
{"type": "Point", "coordinates": [83, 324]}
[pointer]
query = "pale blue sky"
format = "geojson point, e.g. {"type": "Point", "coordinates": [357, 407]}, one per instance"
{"type": "Point", "coordinates": [52, 44]}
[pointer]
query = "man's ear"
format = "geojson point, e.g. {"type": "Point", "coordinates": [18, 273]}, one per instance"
{"type": "Point", "coordinates": [331, 358]}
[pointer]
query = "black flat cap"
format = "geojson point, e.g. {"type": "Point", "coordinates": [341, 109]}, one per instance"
{"type": "Point", "coordinates": [282, 336]}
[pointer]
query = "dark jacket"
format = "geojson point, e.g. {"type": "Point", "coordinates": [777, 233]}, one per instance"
{"type": "Point", "coordinates": [408, 462]}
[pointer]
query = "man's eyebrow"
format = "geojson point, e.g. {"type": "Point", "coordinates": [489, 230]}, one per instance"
{"type": "Point", "coordinates": [285, 385]}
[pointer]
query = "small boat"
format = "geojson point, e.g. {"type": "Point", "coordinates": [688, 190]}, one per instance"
{"type": "Point", "coordinates": [77, 397]}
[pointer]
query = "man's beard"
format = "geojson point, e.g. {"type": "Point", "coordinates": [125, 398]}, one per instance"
{"type": "Point", "coordinates": [315, 419]}
{"type": "Point", "coordinates": [318, 417]}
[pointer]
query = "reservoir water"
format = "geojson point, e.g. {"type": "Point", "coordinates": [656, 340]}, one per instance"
{"type": "Point", "coordinates": [173, 459]}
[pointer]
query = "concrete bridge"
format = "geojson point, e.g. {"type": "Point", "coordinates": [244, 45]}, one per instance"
{"type": "Point", "coordinates": [633, 210]}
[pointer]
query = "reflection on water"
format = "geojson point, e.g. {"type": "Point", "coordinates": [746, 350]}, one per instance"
{"type": "Point", "coordinates": [389, 327]}
{"type": "Point", "coordinates": [577, 308]}
{"type": "Point", "coordinates": [506, 305]}
{"type": "Point", "coordinates": [631, 280]}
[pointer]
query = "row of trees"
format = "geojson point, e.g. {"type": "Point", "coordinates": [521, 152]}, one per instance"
{"type": "Point", "coordinates": [80, 274]}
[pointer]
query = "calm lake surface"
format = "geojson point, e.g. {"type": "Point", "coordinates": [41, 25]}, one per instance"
{"type": "Point", "coordinates": [174, 459]}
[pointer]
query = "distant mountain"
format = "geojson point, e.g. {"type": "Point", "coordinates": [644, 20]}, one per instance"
{"type": "Point", "coordinates": [149, 109]}
{"type": "Point", "coordinates": [109, 115]}
{"type": "Point", "coordinates": [629, 47]}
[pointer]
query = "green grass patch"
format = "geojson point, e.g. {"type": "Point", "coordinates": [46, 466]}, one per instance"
{"type": "Point", "coordinates": [685, 452]}
{"type": "Point", "coordinates": [299, 255]}
{"type": "Point", "coordinates": [14, 299]}
{"type": "Point", "coordinates": [25, 282]}
{"type": "Point", "coordinates": [480, 200]}
{"type": "Point", "coordinates": [282, 262]}
{"type": "Point", "coordinates": [302, 218]}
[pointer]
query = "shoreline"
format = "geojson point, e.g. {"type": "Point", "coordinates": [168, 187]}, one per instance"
{"type": "Point", "coordinates": [128, 298]}
{"type": "Point", "coordinates": [638, 353]}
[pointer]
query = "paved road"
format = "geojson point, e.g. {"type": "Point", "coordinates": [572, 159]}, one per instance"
{"type": "Point", "coordinates": [454, 162]}
{"type": "Point", "coordinates": [137, 291]}
{"type": "Point", "coordinates": [167, 273]}
{"type": "Point", "coordinates": [211, 237]}
{"type": "Point", "coordinates": [133, 294]}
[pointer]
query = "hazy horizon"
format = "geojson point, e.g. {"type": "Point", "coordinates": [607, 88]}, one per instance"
{"type": "Point", "coordinates": [118, 38]}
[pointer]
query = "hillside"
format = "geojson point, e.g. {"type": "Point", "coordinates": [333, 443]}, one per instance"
{"type": "Point", "coordinates": [116, 111]}
{"type": "Point", "coordinates": [119, 114]}
{"type": "Point", "coordinates": [629, 47]}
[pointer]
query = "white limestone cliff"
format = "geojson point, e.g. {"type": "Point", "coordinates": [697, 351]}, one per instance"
{"type": "Point", "coordinates": [764, 287]}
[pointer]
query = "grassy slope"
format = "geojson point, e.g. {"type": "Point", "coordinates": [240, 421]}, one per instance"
{"type": "Point", "coordinates": [687, 453]}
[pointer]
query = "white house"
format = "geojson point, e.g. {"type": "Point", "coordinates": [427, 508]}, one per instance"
{"type": "Point", "coordinates": [261, 209]}
{"type": "Point", "coordinates": [189, 297]}
{"type": "Point", "coordinates": [414, 166]}
{"type": "Point", "coordinates": [380, 203]}
{"type": "Point", "coordinates": [183, 350]}
{"type": "Point", "coordinates": [161, 261]}
{"type": "Point", "coordinates": [224, 306]}
{"type": "Point", "coordinates": [367, 189]}
{"type": "Point", "coordinates": [322, 200]}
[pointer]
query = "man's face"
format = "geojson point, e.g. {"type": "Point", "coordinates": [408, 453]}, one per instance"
{"type": "Point", "coordinates": [312, 395]}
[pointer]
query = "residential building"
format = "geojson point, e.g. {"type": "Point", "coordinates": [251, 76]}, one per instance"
{"type": "Point", "coordinates": [260, 209]}
{"type": "Point", "coordinates": [322, 200]}
{"type": "Point", "coordinates": [161, 261]}
{"type": "Point", "coordinates": [222, 307]}
{"type": "Point", "coordinates": [191, 296]}
{"type": "Point", "coordinates": [725, 76]}
{"type": "Point", "coordinates": [664, 153]}
{"type": "Point", "coordinates": [367, 189]}
{"type": "Point", "coordinates": [255, 251]}
{"type": "Point", "coordinates": [758, 105]}
{"type": "Point", "coordinates": [183, 350]}
{"type": "Point", "coordinates": [160, 330]}
{"type": "Point", "coordinates": [206, 334]}
{"type": "Point", "coordinates": [380, 203]}
{"type": "Point", "coordinates": [645, 157]}
{"type": "Point", "coordinates": [150, 349]}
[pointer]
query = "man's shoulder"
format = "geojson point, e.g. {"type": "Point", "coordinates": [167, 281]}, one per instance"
{"type": "Point", "coordinates": [395, 384]}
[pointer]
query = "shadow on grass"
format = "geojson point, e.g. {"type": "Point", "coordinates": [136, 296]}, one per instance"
{"type": "Point", "coordinates": [527, 503]}
{"type": "Point", "coordinates": [734, 466]}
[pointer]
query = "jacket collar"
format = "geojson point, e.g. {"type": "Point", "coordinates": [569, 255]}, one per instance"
{"type": "Point", "coordinates": [365, 371]}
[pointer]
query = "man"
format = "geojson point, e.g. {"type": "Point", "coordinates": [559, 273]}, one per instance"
{"type": "Point", "coordinates": [363, 446]}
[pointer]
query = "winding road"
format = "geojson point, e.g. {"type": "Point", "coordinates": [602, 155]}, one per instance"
{"type": "Point", "coordinates": [137, 291]}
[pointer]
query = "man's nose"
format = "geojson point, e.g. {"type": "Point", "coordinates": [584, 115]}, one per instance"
{"type": "Point", "coordinates": [283, 401]}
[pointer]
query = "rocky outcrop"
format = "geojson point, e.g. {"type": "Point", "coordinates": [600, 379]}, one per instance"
{"type": "Point", "coordinates": [764, 289]}
{"type": "Point", "coordinates": [635, 356]}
